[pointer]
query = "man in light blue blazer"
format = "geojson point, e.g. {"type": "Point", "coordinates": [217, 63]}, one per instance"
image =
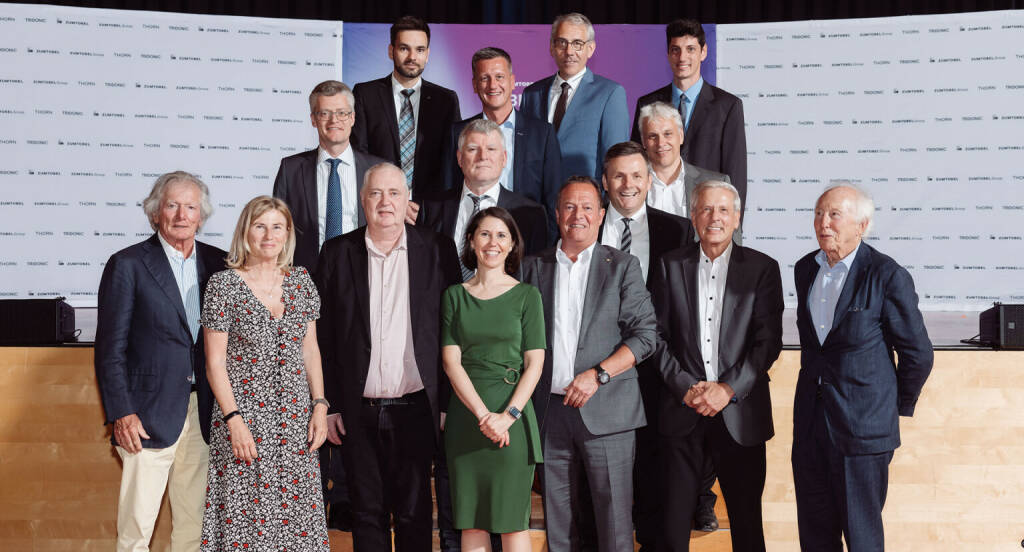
{"type": "Point", "coordinates": [588, 111]}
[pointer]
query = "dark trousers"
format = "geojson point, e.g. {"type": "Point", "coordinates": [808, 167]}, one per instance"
{"type": "Point", "coordinates": [838, 496]}
{"type": "Point", "coordinates": [741, 474]}
{"type": "Point", "coordinates": [332, 470]}
{"type": "Point", "coordinates": [387, 453]}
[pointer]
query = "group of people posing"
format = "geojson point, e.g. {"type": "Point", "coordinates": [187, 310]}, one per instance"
{"type": "Point", "coordinates": [518, 296]}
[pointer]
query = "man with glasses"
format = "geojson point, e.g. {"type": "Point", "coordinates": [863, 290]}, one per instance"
{"type": "Point", "coordinates": [321, 186]}
{"type": "Point", "coordinates": [588, 111]}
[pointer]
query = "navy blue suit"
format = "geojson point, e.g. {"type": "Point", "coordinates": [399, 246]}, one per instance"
{"type": "Point", "coordinates": [537, 165]}
{"type": "Point", "coordinates": [849, 396]}
{"type": "Point", "coordinates": [596, 119]}
{"type": "Point", "coordinates": [144, 353]}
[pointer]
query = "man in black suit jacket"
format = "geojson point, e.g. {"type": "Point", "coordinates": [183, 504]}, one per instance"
{"type": "Point", "coordinates": [720, 311]}
{"type": "Point", "coordinates": [304, 180]}
{"type": "Point", "coordinates": [855, 308]}
{"type": "Point", "coordinates": [150, 363]}
{"type": "Point", "coordinates": [433, 109]}
{"type": "Point", "coordinates": [653, 233]}
{"type": "Point", "coordinates": [714, 137]}
{"type": "Point", "coordinates": [534, 159]}
{"type": "Point", "coordinates": [481, 155]}
{"type": "Point", "coordinates": [381, 289]}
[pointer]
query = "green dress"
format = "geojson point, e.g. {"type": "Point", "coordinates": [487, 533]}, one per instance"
{"type": "Point", "coordinates": [490, 485]}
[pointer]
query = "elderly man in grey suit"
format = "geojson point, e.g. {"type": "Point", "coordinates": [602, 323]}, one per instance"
{"type": "Point", "coordinates": [600, 324]}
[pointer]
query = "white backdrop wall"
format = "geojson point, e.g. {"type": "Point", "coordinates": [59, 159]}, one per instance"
{"type": "Point", "coordinates": [95, 104]}
{"type": "Point", "coordinates": [925, 112]}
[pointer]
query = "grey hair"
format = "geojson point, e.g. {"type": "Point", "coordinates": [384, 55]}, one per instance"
{"type": "Point", "coordinates": [330, 88]}
{"type": "Point", "coordinates": [378, 168]}
{"type": "Point", "coordinates": [575, 19]}
{"type": "Point", "coordinates": [711, 185]}
{"type": "Point", "coordinates": [659, 110]}
{"type": "Point", "coordinates": [863, 205]}
{"type": "Point", "coordinates": [152, 204]}
{"type": "Point", "coordinates": [481, 126]}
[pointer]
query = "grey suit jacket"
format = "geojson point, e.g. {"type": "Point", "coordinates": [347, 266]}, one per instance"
{"type": "Point", "coordinates": [617, 310]}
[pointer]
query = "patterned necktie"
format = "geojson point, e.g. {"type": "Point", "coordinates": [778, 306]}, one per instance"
{"type": "Point", "coordinates": [332, 226]}
{"type": "Point", "coordinates": [407, 136]}
{"type": "Point", "coordinates": [627, 235]}
{"type": "Point", "coordinates": [563, 100]}
{"type": "Point", "coordinates": [467, 273]}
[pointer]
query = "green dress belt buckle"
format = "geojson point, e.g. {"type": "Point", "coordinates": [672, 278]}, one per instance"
{"type": "Point", "coordinates": [511, 376]}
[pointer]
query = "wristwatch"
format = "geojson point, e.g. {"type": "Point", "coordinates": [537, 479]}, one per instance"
{"type": "Point", "coordinates": [514, 412]}
{"type": "Point", "coordinates": [602, 375]}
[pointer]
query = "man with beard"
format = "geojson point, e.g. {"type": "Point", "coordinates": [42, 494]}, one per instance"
{"type": "Point", "coordinates": [403, 118]}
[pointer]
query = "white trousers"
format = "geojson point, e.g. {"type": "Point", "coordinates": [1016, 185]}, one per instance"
{"type": "Point", "coordinates": [180, 469]}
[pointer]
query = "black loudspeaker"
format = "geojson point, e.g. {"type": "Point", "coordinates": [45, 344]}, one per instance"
{"type": "Point", "coordinates": [1002, 326]}
{"type": "Point", "coordinates": [36, 322]}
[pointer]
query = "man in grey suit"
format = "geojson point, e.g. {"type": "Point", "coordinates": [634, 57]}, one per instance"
{"type": "Point", "coordinates": [720, 312]}
{"type": "Point", "coordinates": [600, 324]}
{"type": "Point", "coordinates": [321, 186]}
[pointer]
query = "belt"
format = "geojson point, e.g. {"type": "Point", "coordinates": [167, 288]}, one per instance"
{"type": "Point", "coordinates": [404, 400]}
{"type": "Point", "coordinates": [193, 388]}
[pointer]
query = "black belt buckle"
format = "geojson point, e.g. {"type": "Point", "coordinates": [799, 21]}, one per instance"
{"type": "Point", "coordinates": [399, 401]}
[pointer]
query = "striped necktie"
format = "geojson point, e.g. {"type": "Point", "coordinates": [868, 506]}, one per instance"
{"type": "Point", "coordinates": [407, 136]}
{"type": "Point", "coordinates": [627, 235]}
{"type": "Point", "coordinates": [467, 273]}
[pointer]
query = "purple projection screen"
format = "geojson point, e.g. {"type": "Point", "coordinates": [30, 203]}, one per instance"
{"type": "Point", "coordinates": [632, 55]}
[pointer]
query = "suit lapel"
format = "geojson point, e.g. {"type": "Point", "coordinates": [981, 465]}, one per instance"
{"type": "Point", "coordinates": [733, 283]}
{"type": "Point", "coordinates": [580, 100]}
{"type": "Point", "coordinates": [160, 269]}
{"type": "Point", "coordinates": [416, 253]}
{"type": "Point", "coordinates": [600, 264]}
{"type": "Point", "coordinates": [519, 144]}
{"type": "Point", "coordinates": [547, 270]}
{"type": "Point", "coordinates": [450, 214]}
{"type": "Point", "coordinates": [387, 100]}
{"type": "Point", "coordinates": [361, 162]}
{"type": "Point", "coordinates": [700, 109]}
{"type": "Point", "coordinates": [691, 290]}
{"type": "Point", "coordinates": [307, 177]}
{"type": "Point", "coordinates": [851, 286]}
{"type": "Point", "coordinates": [359, 265]}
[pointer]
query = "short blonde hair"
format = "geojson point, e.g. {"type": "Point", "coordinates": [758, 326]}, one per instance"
{"type": "Point", "coordinates": [257, 206]}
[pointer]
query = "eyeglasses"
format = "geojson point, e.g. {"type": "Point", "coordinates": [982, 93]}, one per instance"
{"type": "Point", "coordinates": [327, 115]}
{"type": "Point", "coordinates": [562, 44]}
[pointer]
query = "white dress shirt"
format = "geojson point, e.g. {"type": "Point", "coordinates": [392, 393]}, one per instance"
{"type": "Point", "coordinates": [641, 234]}
{"type": "Point", "coordinates": [669, 196]}
{"type": "Point", "coordinates": [825, 291]}
{"type": "Point", "coordinates": [349, 196]}
{"type": "Point", "coordinates": [396, 93]}
{"type": "Point", "coordinates": [186, 276]}
{"type": "Point", "coordinates": [570, 291]}
{"type": "Point", "coordinates": [556, 91]}
{"type": "Point", "coordinates": [711, 277]}
{"type": "Point", "coordinates": [488, 199]}
{"type": "Point", "coordinates": [508, 133]}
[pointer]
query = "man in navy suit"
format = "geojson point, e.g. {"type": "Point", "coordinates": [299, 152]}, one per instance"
{"type": "Point", "coordinates": [534, 159]}
{"type": "Point", "coordinates": [403, 118]}
{"type": "Point", "coordinates": [588, 111]}
{"type": "Point", "coordinates": [150, 366]}
{"type": "Point", "coordinates": [855, 308]}
{"type": "Point", "coordinates": [714, 137]}
{"type": "Point", "coordinates": [321, 186]}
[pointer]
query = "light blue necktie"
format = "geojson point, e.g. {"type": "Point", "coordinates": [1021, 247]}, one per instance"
{"type": "Point", "coordinates": [332, 227]}
{"type": "Point", "coordinates": [684, 110]}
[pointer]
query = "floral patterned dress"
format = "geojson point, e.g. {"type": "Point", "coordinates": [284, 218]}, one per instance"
{"type": "Point", "coordinates": [275, 502]}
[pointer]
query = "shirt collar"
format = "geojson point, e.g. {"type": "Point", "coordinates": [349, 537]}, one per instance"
{"type": "Point", "coordinates": [396, 87]}
{"type": "Point", "coordinates": [510, 122]}
{"type": "Point", "coordinates": [691, 92]}
{"type": "Point", "coordinates": [615, 216]}
{"type": "Point", "coordinates": [346, 156]}
{"type": "Point", "coordinates": [583, 257]}
{"type": "Point", "coordinates": [724, 257]}
{"type": "Point", "coordinates": [846, 261]}
{"type": "Point", "coordinates": [491, 192]}
{"type": "Point", "coordinates": [679, 177]}
{"type": "Point", "coordinates": [574, 81]}
{"type": "Point", "coordinates": [402, 244]}
{"type": "Point", "coordinates": [171, 251]}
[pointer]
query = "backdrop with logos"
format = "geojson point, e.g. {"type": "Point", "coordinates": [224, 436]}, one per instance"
{"type": "Point", "coordinates": [922, 111]}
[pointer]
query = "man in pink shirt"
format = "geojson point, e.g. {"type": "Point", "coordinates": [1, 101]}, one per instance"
{"type": "Point", "coordinates": [381, 289]}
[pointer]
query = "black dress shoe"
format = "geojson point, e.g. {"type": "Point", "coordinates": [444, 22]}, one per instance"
{"type": "Point", "coordinates": [706, 521]}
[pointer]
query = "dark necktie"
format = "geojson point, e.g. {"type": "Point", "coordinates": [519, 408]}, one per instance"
{"type": "Point", "coordinates": [627, 235]}
{"type": "Point", "coordinates": [407, 136]}
{"type": "Point", "coordinates": [563, 100]}
{"type": "Point", "coordinates": [467, 273]}
{"type": "Point", "coordinates": [332, 226]}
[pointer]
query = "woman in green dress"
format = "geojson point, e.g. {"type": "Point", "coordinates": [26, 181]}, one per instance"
{"type": "Point", "coordinates": [493, 350]}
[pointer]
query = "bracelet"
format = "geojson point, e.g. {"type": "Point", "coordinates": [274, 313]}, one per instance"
{"type": "Point", "coordinates": [230, 415]}
{"type": "Point", "coordinates": [320, 400]}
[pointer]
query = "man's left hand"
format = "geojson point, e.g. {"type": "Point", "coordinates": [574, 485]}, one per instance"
{"type": "Point", "coordinates": [715, 397]}
{"type": "Point", "coordinates": [583, 387]}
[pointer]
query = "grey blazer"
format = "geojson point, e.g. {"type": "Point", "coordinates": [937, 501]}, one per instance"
{"type": "Point", "coordinates": [617, 310]}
